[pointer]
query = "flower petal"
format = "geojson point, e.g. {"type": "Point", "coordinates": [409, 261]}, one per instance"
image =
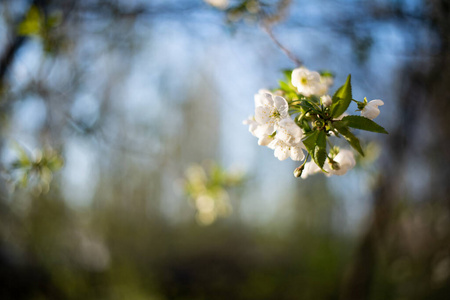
{"type": "Point", "coordinates": [346, 161]}
{"type": "Point", "coordinates": [297, 153]}
{"type": "Point", "coordinates": [370, 112]}
{"type": "Point", "coordinates": [265, 140]}
{"type": "Point", "coordinates": [262, 114]}
{"type": "Point", "coordinates": [310, 168]}
{"type": "Point", "coordinates": [282, 106]}
{"type": "Point", "coordinates": [281, 151]}
{"type": "Point", "coordinates": [376, 102]}
{"type": "Point", "coordinates": [261, 130]}
{"type": "Point", "coordinates": [289, 131]}
{"type": "Point", "coordinates": [260, 98]}
{"type": "Point", "coordinates": [326, 100]}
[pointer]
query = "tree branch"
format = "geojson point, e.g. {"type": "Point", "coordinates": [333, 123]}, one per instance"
{"type": "Point", "coordinates": [286, 51]}
{"type": "Point", "coordinates": [9, 54]}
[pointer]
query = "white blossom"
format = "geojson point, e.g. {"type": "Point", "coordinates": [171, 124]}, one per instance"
{"type": "Point", "coordinates": [371, 110]}
{"type": "Point", "coordinates": [259, 131]}
{"type": "Point", "coordinates": [288, 141]}
{"type": "Point", "coordinates": [282, 150]}
{"type": "Point", "coordinates": [326, 100]}
{"type": "Point", "coordinates": [270, 110]}
{"type": "Point", "coordinates": [220, 4]}
{"type": "Point", "coordinates": [344, 161]}
{"type": "Point", "coordinates": [261, 93]}
{"type": "Point", "coordinates": [265, 139]}
{"type": "Point", "coordinates": [308, 82]}
{"type": "Point", "coordinates": [289, 132]}
{"type": "Point", "coordinates": [310, 169]}
{"type": "Point", "coordinates": [253, 125]}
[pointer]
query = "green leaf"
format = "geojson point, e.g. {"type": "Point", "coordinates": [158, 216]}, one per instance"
{"type": "Point", "coordinates": [284, 86]}
{"type": "Point", "coordinates": [314, 99]}
{"type": "Point", "coordinates": [23, 180]}
{"type": "Point", "coordinates": [350, 137]}
{"type": "Point", "coordinates": [320, 151]}
{"type": "Point", "coordinates": [31, 25]}
{"type": "Point", "coordinates": [305, 126]}
{"type": "Point", "coordinates": [326, 73]}
{"type": "Point", "coordinates": [54, 20]}
{"type": "Point", "coordinates": [363, 123]}
{"type": "Point", "coordinates": [316, 144]}
{"type": "Point", "coordinates": [22, 155]}
{"type": "Point", "coordinates": [311, 140]}
{"type": "Point", "coordinates": [307, 105]}
{"type": "Point", "coordinates": [310, 144]}
{"type": "Point", "coordinates": [315, 108]}
{"type": "Point", "coordinates": [292, 95]}
{"type": "Point", "coordinates": [342, 98]}
{"type": "Point", "coordinates": [55, 163]}
{"type": "Point", "coordinates": [287, 86]}
{"type": "Point", "coordinates": [303, 107]}
{"type": "Point", "coordinates": [287, 75]}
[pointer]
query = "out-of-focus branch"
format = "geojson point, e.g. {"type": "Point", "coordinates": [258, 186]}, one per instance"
{"type": "Point", "coordinates": [9, 54]}
{"type": "Point", "coordinates": [286, 51]}
{"type": "Point", "coordinates": [17, 41]}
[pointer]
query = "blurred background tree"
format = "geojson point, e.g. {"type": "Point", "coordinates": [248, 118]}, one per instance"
{"type": "Point", "coordinates": [132, 93]}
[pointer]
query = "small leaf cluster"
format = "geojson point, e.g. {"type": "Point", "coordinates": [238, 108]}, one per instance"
{"type": "Point", "coordinates": [252, 10]}
{"type": "Point", "coordinates": [35, 170]}
{"type": "Point", "coordinates": [206, 186]}
{"type": "Point", "coordinates": [38, 24]}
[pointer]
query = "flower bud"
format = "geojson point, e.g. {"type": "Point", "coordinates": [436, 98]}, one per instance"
{"type": "Point", "coordinates": [319, 123]}
{"type": "Point", "coordinates": [298, 171]}
{"type": "Point", "coordinates": [361, 105]}
{"type": "Point", "coordinates": [326, 100]}
{"type": "Point", "coordinates": [334, 151]}
{"type": "Point", "coordinates": [334, 165]}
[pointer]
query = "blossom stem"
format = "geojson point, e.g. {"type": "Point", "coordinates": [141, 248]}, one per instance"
{"type": "Point", "coordinates": [306, 159]}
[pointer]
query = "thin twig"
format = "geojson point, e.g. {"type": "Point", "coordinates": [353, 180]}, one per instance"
{"type": "Point", "coordinates": [286, 51]}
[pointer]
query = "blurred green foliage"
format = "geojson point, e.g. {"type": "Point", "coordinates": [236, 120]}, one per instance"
{"type": "Point", "coordinates": [206, 186]}
{"type": "Point", "coordinates": [118, 253]}
{"type": "Point", "coordinates": [35, 170]}
{"type": "Point", "coordinates": [38, 24]}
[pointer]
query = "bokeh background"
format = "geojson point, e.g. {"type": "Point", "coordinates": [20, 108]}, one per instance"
{"type": "Point", "coordinates": [164, 194]}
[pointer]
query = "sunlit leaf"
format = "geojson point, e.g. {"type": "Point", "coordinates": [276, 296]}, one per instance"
{"type": "Point", "coordinates": [350, 137]}
{"type": "Point", "coordinates": [363, 123]}
{"type": "Point", "coordinates": [22, 155]}
{"type": "Point", "coordinates": [32, 24]}
{"type": "Point", "coordinates": [320, 151]}
{"type": "Point", "coordinates": [315, 144]}
{"type": "Point", "coordinates": [342, 98]}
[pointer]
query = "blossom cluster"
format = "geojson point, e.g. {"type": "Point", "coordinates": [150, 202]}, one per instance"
{"type": "Point", "coordinates": [300, 117]}
{"type": "Point", "coordinates": [32, 169]}
{"type": "Point", "coordinates": [206, 185]}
